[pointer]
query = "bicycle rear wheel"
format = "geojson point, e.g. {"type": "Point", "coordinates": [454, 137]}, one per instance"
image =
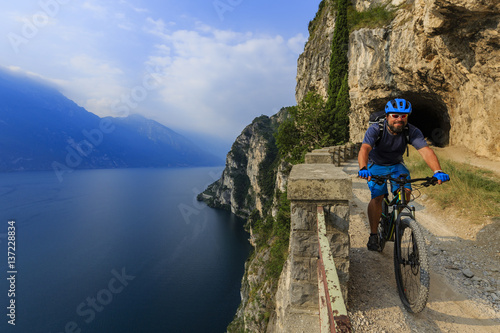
{"type": "Point", "coordinates": [412, 267]}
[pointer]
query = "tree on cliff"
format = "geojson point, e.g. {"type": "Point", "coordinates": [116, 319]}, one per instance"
{"type": "Point", "coordinates": [338, 103]}
{"type": "Point", "coordinates": [314, 123]}
{"type": "Point", "coordinates": [304, 130]}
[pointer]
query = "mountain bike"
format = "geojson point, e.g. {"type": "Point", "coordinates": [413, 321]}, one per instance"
{"type": "Point", "coordinates": [398, 224]}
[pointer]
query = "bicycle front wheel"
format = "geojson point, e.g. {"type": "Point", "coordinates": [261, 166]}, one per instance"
{"type": "Point", "coordinates": [411, 266]}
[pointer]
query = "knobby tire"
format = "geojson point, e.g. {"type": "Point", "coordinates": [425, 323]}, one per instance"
{"type": "Point", "coordinates": [412, 268]}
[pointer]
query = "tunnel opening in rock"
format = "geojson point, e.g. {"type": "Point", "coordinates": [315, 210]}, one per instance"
{"type": "Point", "coordinates": [430, 115]}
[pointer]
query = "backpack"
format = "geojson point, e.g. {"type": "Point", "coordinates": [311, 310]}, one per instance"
{"type": "Point", "coordinates": [378, 117]}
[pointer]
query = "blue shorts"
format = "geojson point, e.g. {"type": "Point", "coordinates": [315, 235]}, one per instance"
{"type": "Point", "coordinates": [383, 170]}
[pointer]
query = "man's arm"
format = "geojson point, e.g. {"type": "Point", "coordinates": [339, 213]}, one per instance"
{"type": "Point", "coordinates": [431, 159]}
{"type": "Point", "coordinates": [363, 156]}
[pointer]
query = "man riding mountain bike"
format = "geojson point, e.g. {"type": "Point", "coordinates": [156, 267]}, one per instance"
{"type": "Point", "coordinates": [381, 153]}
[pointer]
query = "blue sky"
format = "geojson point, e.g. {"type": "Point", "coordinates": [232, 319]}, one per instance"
{"type": "Point", "coordinates": [204, 68]}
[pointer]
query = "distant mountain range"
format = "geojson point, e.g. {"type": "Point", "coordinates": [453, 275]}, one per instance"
{"type": "Point", "coordinates": [40, 129]}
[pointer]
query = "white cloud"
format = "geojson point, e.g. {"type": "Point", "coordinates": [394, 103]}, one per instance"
{"type": "Point", "coordinates": [297, 43]}
{"type": "Point", "coordinates": [94, 83]}
{"type": "Point", "coordinates": [111, 16]}
{"type": "Point", "coordinates": [157, 27]}
{"type": "Point", "coordinates": [87, 65]}
{"type": "Point", "coordinates": [98, 10]}
{"type": "Point", "coordinates": [125, 26]}
{"type": "Point", "coordinates": [123, 22]}
{"type": "Point", "coordinates": [134, 8]}
{"type": "Point", "coordinates": [36, 76]}
{"type": "Point", "coordinates": [141, 10]}
{"type": "Point", "coordinates": [217, 81]}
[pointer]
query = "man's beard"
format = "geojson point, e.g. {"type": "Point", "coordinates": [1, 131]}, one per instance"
{"type": "Point", "coordinates": [396, 129]}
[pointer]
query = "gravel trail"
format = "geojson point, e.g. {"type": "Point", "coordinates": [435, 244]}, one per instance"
{"type": "Point", "coordinates": [465, 273]}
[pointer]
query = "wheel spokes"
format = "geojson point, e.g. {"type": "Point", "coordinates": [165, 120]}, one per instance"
{"type": "Point", "coordinates": [410, 266]}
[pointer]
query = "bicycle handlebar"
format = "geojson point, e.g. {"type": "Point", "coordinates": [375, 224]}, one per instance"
{"type": "Point", "coordinates": [402, 180]}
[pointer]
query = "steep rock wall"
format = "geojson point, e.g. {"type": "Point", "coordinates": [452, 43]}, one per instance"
{"type": "Point", "coordinates": [239, 189]}
{"type": "Point", "coordinates": [442, 55]}
{"type": "Point", "coordinates": [313, 65]}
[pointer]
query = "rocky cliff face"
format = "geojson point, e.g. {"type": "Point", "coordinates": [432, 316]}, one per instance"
{"type": "Point", "coordinates": [313, 65]}
{"type": "Point", "coordinates": [240, 188]}
{"type": "Point", "coordinates": [442, 55]}
{"type": "Point", "coordinates": [247, 187]}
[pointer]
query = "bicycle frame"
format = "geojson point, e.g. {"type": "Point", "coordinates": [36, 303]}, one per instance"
{"type": "Point", "coordinates": [400, 209]}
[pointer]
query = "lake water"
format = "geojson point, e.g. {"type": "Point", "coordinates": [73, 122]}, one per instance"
{"type": "Point", "coordinates": [128, 250]}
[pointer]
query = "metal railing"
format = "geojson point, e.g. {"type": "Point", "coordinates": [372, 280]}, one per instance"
{"type": "Point", "coordinates": [332, 310]}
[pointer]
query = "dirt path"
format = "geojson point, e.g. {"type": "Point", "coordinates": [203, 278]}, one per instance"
{"type": "Point", "coordinates": [464, 155]}
{"type": "Point", "coordinates": [456, 303]}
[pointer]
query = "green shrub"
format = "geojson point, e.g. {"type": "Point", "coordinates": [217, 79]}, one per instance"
{"type": "Point", "coordinates": [315, 123]}
{"type": "Point", "coordinates": [337, 115]}
{"type": "Point", "coordinates": [239, 156]}
{"type": "Point", "coordinates": [281, 236]}
{"type": "Point", "coordinates": [304, 130]}
{"type": "Point", "coordinates": [376, 17]}
{"type": "Point", "coordinates": [472, 192]}
{"type": "Point", "coordinates": [268, 169]}
{"type": "Point", "coordinates": [313, 22]}
{"type": "Point", "coordinates": [241, 186]}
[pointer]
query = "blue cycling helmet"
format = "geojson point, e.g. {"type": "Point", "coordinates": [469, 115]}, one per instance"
{"type": "Point", "coordinates": [398, 105]}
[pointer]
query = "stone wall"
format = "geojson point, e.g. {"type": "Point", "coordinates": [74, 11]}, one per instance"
{"type": "Point", "coordinates": [297, 299]}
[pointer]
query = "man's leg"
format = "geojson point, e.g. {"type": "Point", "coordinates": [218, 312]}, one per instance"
{"type": "Point", "coordinates": [375, 205]}
{"type": "Point", "coordinates": [374, 213]}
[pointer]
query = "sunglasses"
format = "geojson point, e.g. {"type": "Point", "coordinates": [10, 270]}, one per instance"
{"type": "Point", "coordinates": [397, 116]}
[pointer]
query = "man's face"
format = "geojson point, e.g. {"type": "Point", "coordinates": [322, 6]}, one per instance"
{"type": "Point", "coordinates": [397, 121]}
